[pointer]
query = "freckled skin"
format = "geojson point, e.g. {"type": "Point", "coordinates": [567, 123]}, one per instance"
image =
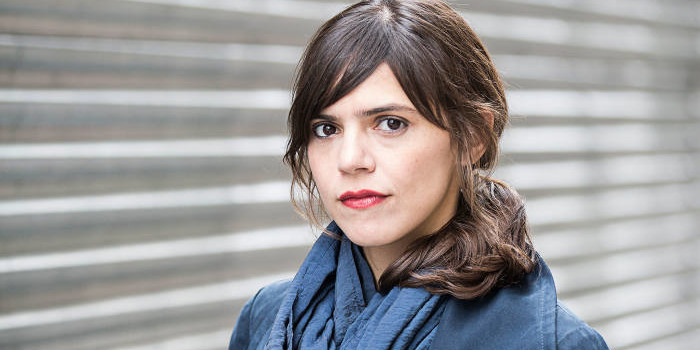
{"type": "Point", "coordinates": [415, 166]}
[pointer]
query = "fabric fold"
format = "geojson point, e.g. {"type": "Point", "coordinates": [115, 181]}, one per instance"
{"type": "Point", "coordinates": [332, 304]}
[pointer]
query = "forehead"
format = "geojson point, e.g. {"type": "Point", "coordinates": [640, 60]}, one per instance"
{"type": "Point", "coordinates": [381, 88]}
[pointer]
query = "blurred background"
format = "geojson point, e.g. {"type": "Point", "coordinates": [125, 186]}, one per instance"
{"type": "Point", "coordinates": [143, 199]}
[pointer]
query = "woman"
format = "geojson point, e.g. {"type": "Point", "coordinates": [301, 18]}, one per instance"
{"type": "Point", "coordinates": [396, 108]}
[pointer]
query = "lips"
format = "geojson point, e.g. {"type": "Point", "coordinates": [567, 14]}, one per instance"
{"type": "Point", "coordinates": [361, 199]}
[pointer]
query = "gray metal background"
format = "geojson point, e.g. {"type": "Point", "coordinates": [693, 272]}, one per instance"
{"type": "Point", "coordinates": [142, 197]}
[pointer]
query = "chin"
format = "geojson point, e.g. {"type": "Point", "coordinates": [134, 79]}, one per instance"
{"type": "Point", "coordinates": [367, 235]}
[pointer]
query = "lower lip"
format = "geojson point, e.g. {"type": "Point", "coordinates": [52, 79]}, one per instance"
{"type": "Point", "coordinates": [364, 202]}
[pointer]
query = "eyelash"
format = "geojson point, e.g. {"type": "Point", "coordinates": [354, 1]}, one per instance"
{"type": "Point", "coordinates": [322, 124]}
{"type": "Point", "coordinates": [379, 122]}
{"type": "Point", "coordinates": [403, 124]}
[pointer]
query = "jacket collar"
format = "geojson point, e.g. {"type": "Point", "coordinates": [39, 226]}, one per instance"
{"type": "Point", "coordinates": [522, 316]}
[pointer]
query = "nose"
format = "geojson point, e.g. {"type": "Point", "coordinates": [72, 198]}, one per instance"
{"type": "Point", "coordinates": [355, 155]}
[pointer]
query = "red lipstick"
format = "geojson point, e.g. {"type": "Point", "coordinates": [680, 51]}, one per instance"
{"type": "Point", "coordinates": [361, 199]}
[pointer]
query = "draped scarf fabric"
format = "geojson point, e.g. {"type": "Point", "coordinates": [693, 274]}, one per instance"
{"type": "Point", "coordinates": [332, 304]}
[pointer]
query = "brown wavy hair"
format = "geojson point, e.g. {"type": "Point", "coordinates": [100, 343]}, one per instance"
{"type": "Point", "coordinates": [448, 75]}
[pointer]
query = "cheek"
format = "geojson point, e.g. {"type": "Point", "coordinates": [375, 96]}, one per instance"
{"type": "Point", "coordinates": [313, 158]}
{"type": "Point", "coordinates": [424, 165]}
{"type": "Point", "coordinates": [317, 155]}
{"type": "Point", "coordinates": [321, 165]}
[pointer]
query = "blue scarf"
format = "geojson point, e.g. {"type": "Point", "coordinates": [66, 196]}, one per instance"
{"type": "Point", "coordinates": [332, 304]}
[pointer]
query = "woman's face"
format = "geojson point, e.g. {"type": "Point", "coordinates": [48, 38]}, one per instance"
{"type": "Point", "coordinates": [385, 174]}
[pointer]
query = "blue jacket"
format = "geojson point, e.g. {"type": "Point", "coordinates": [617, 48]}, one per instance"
{"type": "Point", "coordinates": [525, 317]}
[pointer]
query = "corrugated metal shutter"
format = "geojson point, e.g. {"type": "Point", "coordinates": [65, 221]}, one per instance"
{"type": "Point", "coordinates": [143, 199]}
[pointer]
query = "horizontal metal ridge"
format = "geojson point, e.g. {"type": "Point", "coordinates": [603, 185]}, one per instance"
{"type": "Point", "coordinates": [261, 239]}
{"type": "Point", "coordinates": [228, 290]}
{"type": "Point", "coordinates": [267, 192]}
{"type": "Point", "coordinates": [270, 53]}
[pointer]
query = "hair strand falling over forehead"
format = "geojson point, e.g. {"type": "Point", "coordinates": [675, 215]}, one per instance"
{"type": "Point", "coordinates": [447, 73]}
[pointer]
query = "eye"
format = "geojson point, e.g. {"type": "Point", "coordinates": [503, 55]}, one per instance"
{"type": "Point", "coordinates": [324, 130]}
{"type": "Point", "coordinates": [391, 124]}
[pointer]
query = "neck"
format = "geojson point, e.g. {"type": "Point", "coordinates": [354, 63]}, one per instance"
{"type": "Point", "coordinates": [379, 258]}
{"type": "Point", "coordinates": [376, 263]}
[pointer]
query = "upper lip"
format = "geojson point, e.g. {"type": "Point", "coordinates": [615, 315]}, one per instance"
{"type": "Point", "coordinates": [360, 194]}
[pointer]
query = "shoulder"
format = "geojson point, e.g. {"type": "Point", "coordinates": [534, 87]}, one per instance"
{"type": "Point", "coordinates": [574, 333]}
{"type": "Point", "coordinates": [268, 299]}
{"type": "Point", "coordinates": [257, 316]}
{"type": "Point", "coordinates": [527, 316]}
{"type": "Point", "coordinates": [513, 321]}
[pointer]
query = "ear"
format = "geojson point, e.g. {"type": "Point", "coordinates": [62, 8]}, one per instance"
{"type": "Point", "coordinates": [478, 150]}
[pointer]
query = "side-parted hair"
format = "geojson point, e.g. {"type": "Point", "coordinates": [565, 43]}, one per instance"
{"type": "Point", "coordinates": [446, 72]}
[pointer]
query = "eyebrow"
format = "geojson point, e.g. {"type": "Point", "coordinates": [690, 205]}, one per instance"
{"type": "Point", "coordinates": [387, 108]}
{"type": "Point", "coordinates": [373, 111]}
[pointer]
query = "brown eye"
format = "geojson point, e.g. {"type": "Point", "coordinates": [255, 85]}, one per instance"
{"type": "Point", "coordinates": [324, 130]}
{"type": "Point", "coordinates": [391, 124]}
